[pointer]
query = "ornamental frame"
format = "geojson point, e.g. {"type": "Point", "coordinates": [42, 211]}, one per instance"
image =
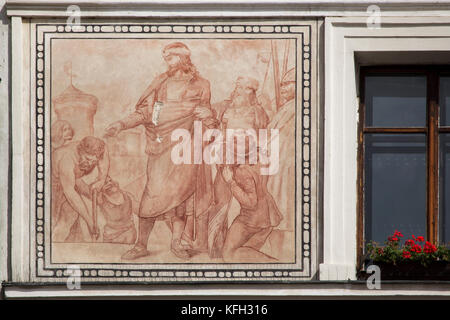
{"type": "Point", "coordinates": [43, 270]}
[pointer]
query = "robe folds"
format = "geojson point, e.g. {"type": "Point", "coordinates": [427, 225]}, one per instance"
{"type": "Point", "coordinates": [168, 184]}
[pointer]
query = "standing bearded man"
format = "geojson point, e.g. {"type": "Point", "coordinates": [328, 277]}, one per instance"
{"type": "Point", "coordinates": [174, 100]}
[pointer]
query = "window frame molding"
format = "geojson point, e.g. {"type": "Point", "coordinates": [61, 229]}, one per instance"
{"type": "Point", "coordinates": [432, 129]}
{"type": "Point", "coordinates": [344, 39]}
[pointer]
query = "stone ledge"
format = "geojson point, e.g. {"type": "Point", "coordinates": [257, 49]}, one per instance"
{"type": "Point", "coordinates": [313, 289]}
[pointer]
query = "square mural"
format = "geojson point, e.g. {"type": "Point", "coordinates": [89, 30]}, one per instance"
{"type": "Point", "coordinates": [173, 152]}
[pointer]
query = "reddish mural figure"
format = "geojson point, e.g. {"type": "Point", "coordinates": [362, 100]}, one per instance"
{"type": "Point", "coordinates": [257, 217]}
{"type": "Point", "coordinates": [258, 214]}
{"type": "Point", "coordinates": [74, 221]}
{"type": "Point", "coordinates": [174, 100]}
{"type": "Point", "coordinates": [62, 133]}
{"type": "Point", "coordinates": [116, 206]}
{"type": "Point", "coordinates": [282, 185]}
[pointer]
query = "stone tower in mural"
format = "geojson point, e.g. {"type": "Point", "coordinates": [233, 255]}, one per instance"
{"type": "Point", "coordinates": [78, 108]}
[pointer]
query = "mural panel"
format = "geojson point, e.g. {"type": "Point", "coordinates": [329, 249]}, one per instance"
{"type": "Point", "coordinates": [174, 152]}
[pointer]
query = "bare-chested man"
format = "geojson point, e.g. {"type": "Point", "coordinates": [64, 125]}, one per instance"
{"type": "Point", "coordinates": [70, 163]}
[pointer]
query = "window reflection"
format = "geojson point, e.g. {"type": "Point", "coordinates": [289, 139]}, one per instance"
{"type": "Point", "coordinates": [444, 188]}
{"type": "Point", "coordinates": [395, 185]}
{"type": "Point", "coordinates": [395, 101]}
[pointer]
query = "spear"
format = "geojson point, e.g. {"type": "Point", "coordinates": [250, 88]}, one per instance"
{"type": "Point", "coordinates": [94, 212]}
{"type": "Point", "coordinates": [286, 57]}
{"type": "Point", "coordinates": [276, 73]}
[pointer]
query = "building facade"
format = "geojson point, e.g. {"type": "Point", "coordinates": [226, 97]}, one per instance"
{"type": "Point", "coordinates": [345, 102]}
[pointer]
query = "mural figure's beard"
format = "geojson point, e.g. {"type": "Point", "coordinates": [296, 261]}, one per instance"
{"type": "Point", "coordinates": [86, 166]}
{"type": "Point", "coordinates": [180, 66]}
{"type": "Point", "coordinates": [240, 100]}
{"type": "Point", "coordinates": [172, 69]}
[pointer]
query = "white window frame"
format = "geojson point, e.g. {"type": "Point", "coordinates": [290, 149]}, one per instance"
{"type": "Point", "coordinates": [344, 38]}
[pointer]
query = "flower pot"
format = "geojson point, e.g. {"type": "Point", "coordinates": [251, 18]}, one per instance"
{"type": "Point", "coordinates": [437, 270]}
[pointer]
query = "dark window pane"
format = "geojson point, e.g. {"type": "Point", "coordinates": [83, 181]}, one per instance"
{"type": "Point", "coordinates": [395, 185]}
{"type": "Point", "coordinates": [444, 100]}
{"type": "Point", "coordinates": [444, 196]}
{"type": "Point", "coordinates": [398, 101]}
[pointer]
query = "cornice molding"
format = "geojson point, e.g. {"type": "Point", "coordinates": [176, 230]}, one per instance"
{"type": "Point", "coordinates": [231, 8]}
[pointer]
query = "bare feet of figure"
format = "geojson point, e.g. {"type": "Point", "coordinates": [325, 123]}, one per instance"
{"type": "Point", "coordinates": [138, 251]}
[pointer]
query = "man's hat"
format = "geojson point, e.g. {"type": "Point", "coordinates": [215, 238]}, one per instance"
{"type": "Point", "coordinates": [176, 48]}
{"type": "Point", "coordinates": [289, 76]}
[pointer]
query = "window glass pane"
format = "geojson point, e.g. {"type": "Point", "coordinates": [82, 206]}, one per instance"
{"type": "Point", "coordinates": [444, 196]}
{"type": "Point", "coordinates": [395, 185]}
{"type": "Point", "coordinates": [398, 101]}
{"type": "Point", "coordinates": [444, 100]}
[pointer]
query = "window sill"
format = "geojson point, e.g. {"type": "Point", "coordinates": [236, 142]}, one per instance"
{"type": "Point", "coordinates": [305, 289]}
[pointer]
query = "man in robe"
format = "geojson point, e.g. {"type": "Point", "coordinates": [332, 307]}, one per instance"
{"type": "Point", "coordinates": [257, 217]}
{"type": "Point", "coordinates": [259, 213]}
{"type": "Point", "coordinates": [173, 100]}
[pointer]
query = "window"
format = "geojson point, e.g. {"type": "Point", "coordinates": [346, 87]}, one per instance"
{"type": "Point", "coordinates": [404, 153]}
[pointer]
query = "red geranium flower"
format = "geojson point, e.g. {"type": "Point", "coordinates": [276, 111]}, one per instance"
{"type": "Point", "coordinates": [416, 248]}
{"type": "Point", "coordinates": [429, 247]}
{"type": "Point", "coordinates": [413, 248]}
{"type": "Point", "coordinates": [393, 238]}
{"type": "Point", "coordinates": [398, 234]}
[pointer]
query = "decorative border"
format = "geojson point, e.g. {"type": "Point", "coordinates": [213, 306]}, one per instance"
{"type": "Point", "coordinates": [58, 274]}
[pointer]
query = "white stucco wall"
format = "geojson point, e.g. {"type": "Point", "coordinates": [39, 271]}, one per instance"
{"type": "Point", "coordinates": [4, 138]}
{"type": "Point", "coordinates": [312, 289]}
